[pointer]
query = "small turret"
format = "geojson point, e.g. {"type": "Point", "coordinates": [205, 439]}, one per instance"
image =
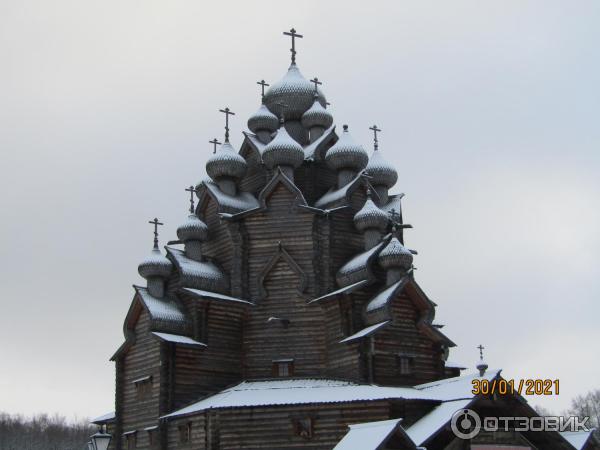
{"type": "Point", "coordinates": [316, 119]}
{"type": "Point", "coordinates": [395, 259]}
{"type": "Point", "coordinates": [383, 174]}
{"type": "Point", "coordinates": [371, 221]}
{"type": "Point", "coordinates": [346, 157]}
{"type": "Point", "coordinates": [155, 268]}
{"type": "Point", "coordinates": [193, 231]}
{"type": "Point", "coordinates": [481, 364]}
{"type": "Point", "coordinates": [263, 122]}
{"type": "Point", "coordinates": [283, 152]}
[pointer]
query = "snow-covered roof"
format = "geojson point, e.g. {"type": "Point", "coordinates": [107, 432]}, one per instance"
{"type": "Point", "coordinates": [577, 439]}
{"type": "Point", "coordinates": [454, 365]}
{"type": "Point", "coordinates": [358, 267]}
{"type": "Point", "coordinates": [108, 417]}
{"type": "Point", "coordinates": [198, 274]}
{"type": "Point", "coordinates": [369, 435]}
{"type": "Point", "coordinates": [383, 298]}
{"type": "Point", "coordinates": [346, 289]}
{"type": "Point", "coordinates": [456, 388]}
{"type": "Point", "coordinates": [335, 195]}
{"type": "Point", "coordinates": [216, 295]}
{"type": "Point", "coordinates": [161, 309]}
{"type": "Point", "coordinates": [435, 420]}
{"type": "Point", "coordinates": [365, 332]}
{"type": "Point", "coordinates": [178, 339]}
{"type": "Point", "coordinates": [241, 201]}
{"type": "Point", "coordinates": [311, 149]}
{"type": "Point", "coordinates": [299, 391]}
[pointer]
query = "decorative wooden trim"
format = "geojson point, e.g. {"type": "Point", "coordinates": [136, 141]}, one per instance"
{"type": "Point", "coordinates": [281, 253]}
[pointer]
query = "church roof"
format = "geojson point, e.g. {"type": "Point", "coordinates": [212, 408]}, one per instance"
{"type": "Point", "coordinates": [384, 297]}
{"type": "Point", "coordinates": [241, 201]}
{"type": "Point", "coordinates": [358, 268]}
{"type": "Point", "coordinates": [217, 296]}
{"type": "Point", "coordinates": [578, 439]}
{"type": "Point", "coordinates": [435, 420]}
{"type": "Point", "coordinates": [178, 339]}
{"type": "Point", "coordinates": [369, 435]}
{"type": "Point", "coordinates": [161, 309]}
{"type": "Point", "coordinates": [198, 274]}
{"type": "Point", "coordinates": [368, 331]}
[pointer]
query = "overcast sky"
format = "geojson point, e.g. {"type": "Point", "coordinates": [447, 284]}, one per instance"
{"type": "Point", "coordinates": [489, 110]}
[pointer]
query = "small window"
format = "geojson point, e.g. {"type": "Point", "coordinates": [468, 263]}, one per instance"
{"type": "Point", "coordinates": [143, 387]}
{"type": "Point", "coordinates": [185, 433]}
{"type": "Point", "coordinates": [304, 427]}
{"type": "Point", "coordinates": [283, 368]}
{"type": "Point", "coordinates": [405, 365]}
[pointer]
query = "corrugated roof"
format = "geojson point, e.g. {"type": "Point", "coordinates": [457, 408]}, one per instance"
{"type": "Point", "coordinates": [369, 435]}
{"type": "Point", "coordinates": [431, 423]}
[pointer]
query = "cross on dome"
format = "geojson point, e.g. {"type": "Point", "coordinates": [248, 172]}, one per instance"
{"type": "Point", "coordinates": [263, 85]}
{"type": "Point", "coordinates": [215, 142]}
{"type": "Point", "coordinates": [227, 113]}
{"type": "Point", "coordinates": [317, 83]}
{"type": "Point", "coordinates": [156, 223]}
{"type": "Point", "coordinates": [292, 33]}
{"type": "Point", "coordinates": [481, 348]}
{"type": "Point", "coordinates": [375, 131]}
{"type": "Point", "coordinates": [192, 191]}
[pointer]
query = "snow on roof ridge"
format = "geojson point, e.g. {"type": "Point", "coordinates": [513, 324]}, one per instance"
{"type": "Point", "coordinates": [378, 423]}
{"type": "Point", "coordinates": [447, 381]}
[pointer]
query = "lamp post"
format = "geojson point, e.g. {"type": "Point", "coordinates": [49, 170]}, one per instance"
{"type": "Point", "coordinates": [99, 441]}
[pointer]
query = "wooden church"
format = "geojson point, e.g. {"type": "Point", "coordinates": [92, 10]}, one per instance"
{"type": "Point", "coordinates": [286, 314]}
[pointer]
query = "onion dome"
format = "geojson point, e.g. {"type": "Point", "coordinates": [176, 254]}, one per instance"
{"type": "Point", "coordinates": [263, 119]}
{"type": "Point", "coordinates": [283, 150]}
{"type": "Point", "coordinates": [381, 171]}
{"type": "Point", "coordinates": [482, 366]}
{"type": "Point", "coordinates": [193, 229]}
{"type": "Point", "coordinates": [370, 216]}
{"type": "Point", "coordinates": [226, 162]}
{"type": "Point", "coordinates": [395, 255]}
{"type": "Point", "coordinates": [346, 154]}
{"type": "Point", "coordinates": [155, 265]}
{"type": "Point", "coordinates": [317, 116]}
{"type": "Point", "coordinates": [295, 92]}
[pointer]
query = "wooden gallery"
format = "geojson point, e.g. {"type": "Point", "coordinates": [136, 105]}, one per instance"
{"type": "Point", "coordinates": [286, 314]}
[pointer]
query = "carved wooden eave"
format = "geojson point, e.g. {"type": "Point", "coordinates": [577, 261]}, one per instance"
{"type": "Point", "coordinates": [281, 253]}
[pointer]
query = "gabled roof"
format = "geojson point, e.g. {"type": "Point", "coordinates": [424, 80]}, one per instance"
{"type": "Point", "coordinates": [372, 435]}
{"type": "Point", "coordinates": [434, 421]}
{"type": "Point", "coordinates": [578, 439]}
{"type": "Point", "coordinates": [345, 290]}
{"type": "Point", "coordinates": [384, 297]}
{"type": "Point", "coordinates": [104, 418]}
{"type": "Point", "coordinates": [456, 388]}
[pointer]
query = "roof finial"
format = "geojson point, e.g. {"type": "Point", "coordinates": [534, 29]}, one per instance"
{"type": "Point", "coordinates": [481, 365]}
{"type": "Point", "coordinates": [317, 83]}
{"type": "Point", "coordinates": [292, 33]}
{"type": "Point", "coordinates": [396, 220]}
{"type": "Point", "coordinates": [215, 142]}
{"type": "Point", "coordinates": [375, 131]}
{"type": "Point", "coordinates": [156, 223]}
{"type": "Point", "coordinates": [192, 191]}
{"type": "Point", "coordinates": [227, 113]}
{"type": "Point", "coordinates": [263, 85]}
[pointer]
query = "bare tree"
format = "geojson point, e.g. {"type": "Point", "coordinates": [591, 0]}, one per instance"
{"type": "Point", "coordinates": [587, 405]}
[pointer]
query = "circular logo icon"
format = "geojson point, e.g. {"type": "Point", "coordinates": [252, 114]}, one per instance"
{"type": "Point", "coordinates": [465, 424]}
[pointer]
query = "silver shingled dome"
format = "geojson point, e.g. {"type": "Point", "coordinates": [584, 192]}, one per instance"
{"type": "Point", "coordinates": [381, 171]}
{"type": "Point", "coordinates": [346, 154]}
{"type": "Point", "coordinates": [263, 119]}
{"type": "Point", "coordinates": [370, 216]}
{"type": "Point", "coordinates": [226, 162]}
{"type": "Point", "coordinates": [283, 150]}
{"type": "Point", "coordinates": [395, 255]}
{"type": "Point", "coordinates": [317, 116]}
{"type": "Point", "coordinates": [155, 265]}
{"type": "Point", "coordinates": [193, 229]}
{"type": "Point", "coordinates": [295, 92]}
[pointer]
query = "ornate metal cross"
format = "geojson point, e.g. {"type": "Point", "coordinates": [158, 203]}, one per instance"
{"type": "Point", "coordinates": [192, 191]}
{"type": "Point", "coordinates": [227, 113]}
{"type": "Point", "coordinates": [215, 142]}
{"type": "Point", "coordinates": [481, 348]}
{"type": "Point", "coordinates": [156, 223]}
{"type": "Point", "coordinates": [375, 131]}
{"type": "Point", "coordinates": [263, 86]}
{"type": "Point", "coordinates": [316, 82]}
{"type": "Point", "coordinates": [292, 33]}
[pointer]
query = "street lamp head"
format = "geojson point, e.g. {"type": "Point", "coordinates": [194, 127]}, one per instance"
{"type": "Point", "coordinates": [100, 441]}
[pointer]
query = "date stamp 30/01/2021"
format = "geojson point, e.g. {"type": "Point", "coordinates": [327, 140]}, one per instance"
{"type": "Point", "coordinates": [522, 387]}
